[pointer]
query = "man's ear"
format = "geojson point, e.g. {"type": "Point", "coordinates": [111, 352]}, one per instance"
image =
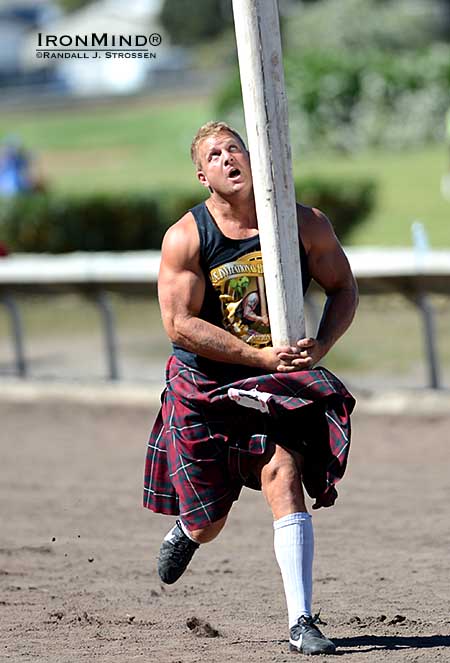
{"type": "Point", "coordinates": [202, 178]}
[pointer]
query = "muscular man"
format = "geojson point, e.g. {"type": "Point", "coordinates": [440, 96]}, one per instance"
{"type": "Point", "coordinates": [236, 410]}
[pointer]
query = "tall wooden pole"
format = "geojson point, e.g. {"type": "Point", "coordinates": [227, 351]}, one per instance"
{"type": "Point", "coordinates": [258, 40]}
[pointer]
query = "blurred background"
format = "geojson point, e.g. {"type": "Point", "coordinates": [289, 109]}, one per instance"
{"type": "Point", "coordinates": [94, 157]}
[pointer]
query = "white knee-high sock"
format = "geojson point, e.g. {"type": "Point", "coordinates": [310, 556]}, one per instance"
{"type": "Point", "coordinates": [294, 550]}
{"type": "Point", "coordinates": [185, 530]}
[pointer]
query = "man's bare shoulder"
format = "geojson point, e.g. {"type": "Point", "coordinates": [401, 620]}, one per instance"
{"type": "Point", "coordinates": [182, 239]}
{"type": "Point", "coordinates": [311, 217]}
{"type": "Point", "coordinates": [184, 228]}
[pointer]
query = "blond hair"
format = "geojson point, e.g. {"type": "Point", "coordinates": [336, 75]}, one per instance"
{"type": "Point", "coordinates": [210, 129]}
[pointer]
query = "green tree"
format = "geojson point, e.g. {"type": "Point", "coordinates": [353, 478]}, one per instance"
{"type": "Point", "coordinates": [187, 23]}
{"type": "Point", "coordinates": [73, 5]}
{"type": "Point", "coordinates": [362, 73]}
{"type": "Point", "coordinates": [357, 25]}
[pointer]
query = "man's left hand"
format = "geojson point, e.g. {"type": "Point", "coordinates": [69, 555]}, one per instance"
{"type": "Point", "coordinates": [309, 352]}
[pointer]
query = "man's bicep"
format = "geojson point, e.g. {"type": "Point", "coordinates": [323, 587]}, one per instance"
{"type": "Point", "coordinates": [181, 283]}
{"type": "Point", "coordinates": [180, 291]}
{"type": "Point", "coordinates": [332, 271]}
{"type": "Point", "coordinates": [328, 264]}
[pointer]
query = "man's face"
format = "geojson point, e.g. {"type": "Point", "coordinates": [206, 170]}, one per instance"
{"type": "Point", "coordinates": [225, 164]}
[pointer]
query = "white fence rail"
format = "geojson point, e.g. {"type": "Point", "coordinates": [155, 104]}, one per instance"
{"type": "Point", "coordinates": [378, 271]}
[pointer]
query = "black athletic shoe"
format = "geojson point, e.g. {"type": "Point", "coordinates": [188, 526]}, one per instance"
{"type": "Point", "coordinates": [174, 555]}
{"type": "Point", "coordinates": [306, 638]}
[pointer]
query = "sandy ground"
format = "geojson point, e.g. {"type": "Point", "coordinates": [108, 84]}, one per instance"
{"type": "Point", "coordinates": [77, 551]}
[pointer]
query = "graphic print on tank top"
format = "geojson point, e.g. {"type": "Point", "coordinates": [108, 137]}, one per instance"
{"type": "Point", "coordinates": [240, 286]}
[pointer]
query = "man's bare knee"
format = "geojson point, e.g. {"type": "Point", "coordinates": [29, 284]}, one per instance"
{"type": "Point", "coordinates": [279, 471]}
{"type": "Point", "coordinates": [282, 485]}
{"type": "Point", "coordinates": [208, 533]}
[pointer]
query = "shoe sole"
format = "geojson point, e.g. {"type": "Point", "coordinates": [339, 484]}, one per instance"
{"type": "Point", "coordinates": [297, 650]}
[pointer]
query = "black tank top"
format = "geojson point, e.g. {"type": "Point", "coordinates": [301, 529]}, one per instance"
{"type": "Point", "coordinates": [235, 296]}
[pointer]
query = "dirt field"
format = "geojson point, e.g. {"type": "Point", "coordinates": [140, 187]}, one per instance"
{"type": "Point", "coordinates": [77, 551]}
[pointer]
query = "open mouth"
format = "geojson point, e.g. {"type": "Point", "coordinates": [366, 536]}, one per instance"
{"type": "Point", "coordinates": [235, 172]}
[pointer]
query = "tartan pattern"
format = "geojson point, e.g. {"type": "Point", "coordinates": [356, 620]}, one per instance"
{"type": "Point", "coordinates": [203, 445]}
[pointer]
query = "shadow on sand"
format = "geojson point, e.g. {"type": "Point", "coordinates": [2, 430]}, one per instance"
{"type": "Point", "coordinates": [389, 642]}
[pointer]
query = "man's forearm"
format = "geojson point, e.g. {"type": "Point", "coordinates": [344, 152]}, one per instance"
{"type": "Point", "coordinates": [337, 316]}
{"type": "Point", "coordinates": [207, 340]}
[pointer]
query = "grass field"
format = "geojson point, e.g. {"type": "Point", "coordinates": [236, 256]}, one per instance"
{"type": "Point", "coordinates": [143, 145]}
{"type": "Point", "coordinates": [135, 147]}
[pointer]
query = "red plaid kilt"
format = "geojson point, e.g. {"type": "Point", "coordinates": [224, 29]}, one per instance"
{"type": "Point", "coordinates": [203, 445]}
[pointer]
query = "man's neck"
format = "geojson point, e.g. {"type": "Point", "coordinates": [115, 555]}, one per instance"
{"type": "Point", "coordinates": [235, 211]}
